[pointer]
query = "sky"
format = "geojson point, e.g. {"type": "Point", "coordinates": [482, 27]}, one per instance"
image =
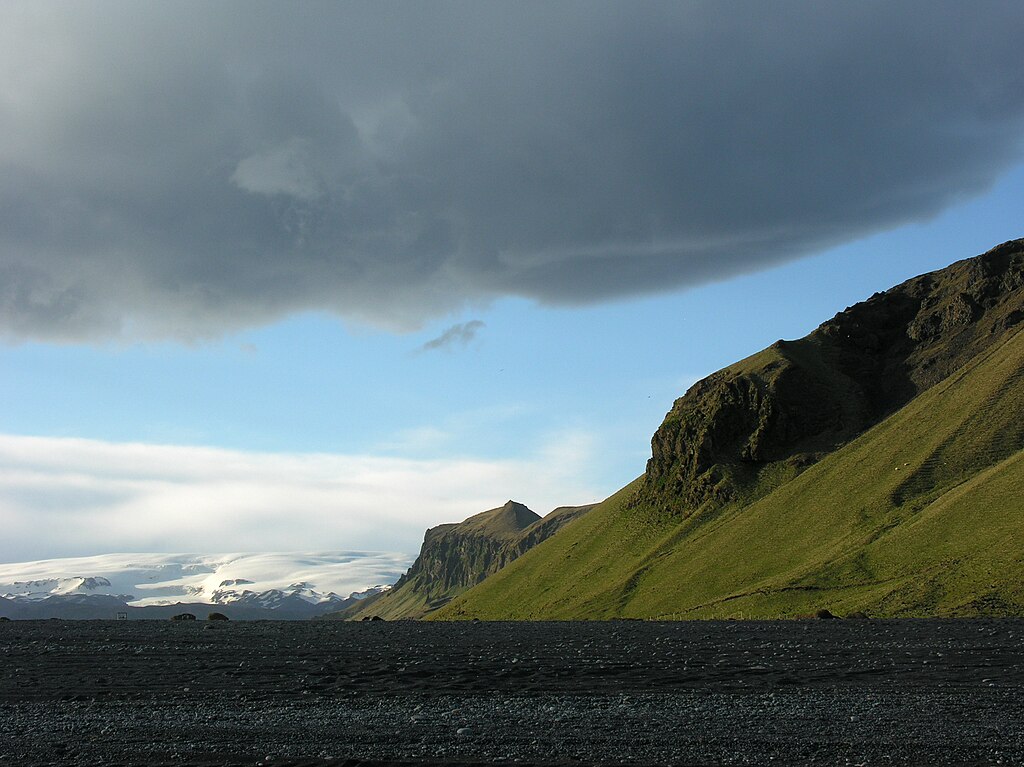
{"type": "Point", "coordinates": [317, 276]}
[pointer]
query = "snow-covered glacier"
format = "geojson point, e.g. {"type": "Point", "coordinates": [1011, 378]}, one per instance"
{"type": "Point", "coordinates": [307, 582]}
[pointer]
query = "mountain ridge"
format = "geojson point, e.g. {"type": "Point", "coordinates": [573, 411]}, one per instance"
{"type": "Point", "coordinates": [281, 584]}
{"type": "Point", "coordinates": [925, 377]}
{"type": "Point", "coordinates": [457, 556]}
{"type": "Point", "coordinates": [798, 400]}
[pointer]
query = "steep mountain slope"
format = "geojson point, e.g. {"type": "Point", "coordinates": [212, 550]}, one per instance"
{"type": "Point", "coordinates": [456, 557]}
{"type": "Point", "coordinates": [872, 465]}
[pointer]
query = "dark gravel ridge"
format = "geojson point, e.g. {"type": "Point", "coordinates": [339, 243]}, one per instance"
{"type": "Point", "coordinates": [622, 692]}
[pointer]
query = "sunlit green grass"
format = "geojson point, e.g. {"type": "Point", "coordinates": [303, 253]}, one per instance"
{"type": "Point", "coordinates": [921, 515]}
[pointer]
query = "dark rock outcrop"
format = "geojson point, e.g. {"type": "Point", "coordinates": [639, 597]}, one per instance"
{"type": "Point", "coordinates": [456, 557]}
{"type": "Point", "coordinates": [784, 408]}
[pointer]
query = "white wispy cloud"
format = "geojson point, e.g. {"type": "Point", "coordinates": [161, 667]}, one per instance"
{"type": "Point", "coordinates": [454, 430]}
{"type": "Point", "coordinates": [417, 440]}
{"type": "Point", "coordinates": [67, 497]}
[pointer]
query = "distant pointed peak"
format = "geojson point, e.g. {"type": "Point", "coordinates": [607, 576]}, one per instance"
{"type": "Point", "coordinates": [521, 512]}
{"type": "Point", "coordinates": [508, 519]}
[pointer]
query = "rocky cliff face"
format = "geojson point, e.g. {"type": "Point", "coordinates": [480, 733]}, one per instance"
{"type": "Point", "coordinates": [456, 557]}
{"type": "Point", "coordinates": [779, 411]}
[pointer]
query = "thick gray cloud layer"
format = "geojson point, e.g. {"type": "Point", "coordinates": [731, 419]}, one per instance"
{"type": "Point", "coordinates": [185, 169]}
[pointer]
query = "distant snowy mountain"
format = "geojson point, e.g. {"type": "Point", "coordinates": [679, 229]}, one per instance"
{"type": "Point", "coordinates": [298, 585]}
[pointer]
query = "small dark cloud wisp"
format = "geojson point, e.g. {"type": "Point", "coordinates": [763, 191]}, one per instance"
{"type": "Point", "coordinates": [457, 335]}
{"type": "Point", "coordinates": [188, 169]}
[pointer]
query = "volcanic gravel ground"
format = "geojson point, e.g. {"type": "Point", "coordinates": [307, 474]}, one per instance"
{"type": "Point", "coordinates": [815, 692]}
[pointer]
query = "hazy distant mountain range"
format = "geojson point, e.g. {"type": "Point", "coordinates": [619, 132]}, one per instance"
{"type": "Point", "coordinates": [280, 586]}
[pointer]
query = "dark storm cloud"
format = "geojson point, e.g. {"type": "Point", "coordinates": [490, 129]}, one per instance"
{"type": "Point", "coordinates": [185, 169]}
{"type": "Point", "coordinates": [457, 335]}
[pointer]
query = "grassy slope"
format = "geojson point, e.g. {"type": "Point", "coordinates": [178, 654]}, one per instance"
{"type": "Point", "coordinates": [921, 515]}
{"type": "Point", "coordinates": [393, 606]}
{"type": "Point", "coordinates": [419, 595]}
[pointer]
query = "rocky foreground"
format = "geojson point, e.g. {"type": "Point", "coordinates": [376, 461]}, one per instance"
{"type": "Point", "coordinates": [691, 693]}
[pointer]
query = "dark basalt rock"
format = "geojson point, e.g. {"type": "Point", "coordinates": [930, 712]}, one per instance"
{"type": "Point", "coordinates": [183, 617]}
{"type": "Point", "coordinates": [798, 400]}
{"type": "Point", "coordinates": [456, 557]}
{"type": "Point", "coordinates": [216, 617]}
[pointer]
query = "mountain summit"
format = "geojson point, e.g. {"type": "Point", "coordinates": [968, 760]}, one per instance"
{"type": "Point", "coordinates": [456, 557]}
{"type": "Point", "coordinates": [787, 406]}
{"type": "Point", "coordinates": [506, 521]}
{"type": "Point", "coordinates": [873, 465]}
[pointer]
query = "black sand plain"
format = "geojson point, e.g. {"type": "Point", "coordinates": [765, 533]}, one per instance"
{"type": "Point", "coordinates": [830, 692]}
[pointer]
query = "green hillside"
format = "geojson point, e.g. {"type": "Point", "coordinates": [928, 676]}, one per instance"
{"type": "Point", "coordinates": [874, 466]}
{"type": "Point", "coordinates": [456, 557]}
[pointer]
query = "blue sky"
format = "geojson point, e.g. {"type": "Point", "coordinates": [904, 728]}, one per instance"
{"type": "Point", "coordinates": [120, 409]}
{"type": "Point", "coordinates": [532, 377]}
